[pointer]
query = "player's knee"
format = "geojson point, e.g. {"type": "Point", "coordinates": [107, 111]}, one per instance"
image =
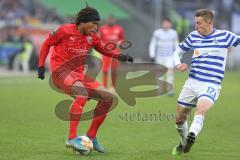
{"type": "Point", "coordinates": [180, 119]}
{"type": "Point", "coordinates": [104, 72]}
{"type": "Point", "coordinates": [80, 100]}
{"type": "Point", "coordinates": [200, 112]}
{"type": "Point", "coordinates": [202, 109]}
{"type": "Point", "coordinates": [108, 97]}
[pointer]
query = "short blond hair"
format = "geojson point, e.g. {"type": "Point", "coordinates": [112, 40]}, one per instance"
{"type": "Point", "coordinates": [207, 14]}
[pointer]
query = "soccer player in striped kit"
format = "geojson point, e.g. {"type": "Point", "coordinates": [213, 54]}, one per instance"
{"type": "Point", "coordinates": [163, 43]}
{"type": "Point", "coordinates": [202, 88]}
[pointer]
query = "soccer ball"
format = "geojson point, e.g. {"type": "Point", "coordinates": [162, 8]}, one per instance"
{"type": "Point", "coordinates": [87, 143]}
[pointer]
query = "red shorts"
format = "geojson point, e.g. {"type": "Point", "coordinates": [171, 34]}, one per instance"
{"type": "Point", "coordinates": [65, 81]}
{"type": "Point", "coordinates": [107, 62]}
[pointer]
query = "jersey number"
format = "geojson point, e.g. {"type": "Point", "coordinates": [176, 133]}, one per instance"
{"type": "Point", "coordinates": [211, 92]}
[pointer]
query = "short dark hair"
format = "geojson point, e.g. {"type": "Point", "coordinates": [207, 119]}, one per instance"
{"type": "Point", "coordinates": [167, 19]}
{"type": "Point", "coordinates": [207, 14]}
{"type": "Point", "coordinates": [87, 14]}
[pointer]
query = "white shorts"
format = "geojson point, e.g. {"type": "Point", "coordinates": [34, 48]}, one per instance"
{"type": "Point", "coordinates": [166, 61]}
{"type": "Point", "coordinates": [194, 90]}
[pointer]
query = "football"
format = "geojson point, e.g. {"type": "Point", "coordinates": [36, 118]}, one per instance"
{"type": "Point", "coordinates": [86, 142]}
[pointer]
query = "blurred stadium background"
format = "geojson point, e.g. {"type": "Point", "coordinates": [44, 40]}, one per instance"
{"type": "Point", "coordinates": [29, 127]}
{"type": "Point", "coordinates": [22, 20]}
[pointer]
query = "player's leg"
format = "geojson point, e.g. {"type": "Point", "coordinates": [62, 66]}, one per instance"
{"type": "Point", "coordinates": [181, 122]}
{"type": "Point", "coordinates": [75, 84]}
{"type": "Point", "coordinates": [63, 80]}
{"type": "Point", "coordinates": [182, 127]}
{"type": "Point", "coordinates": [81, 96]}
{"type": "Point", "coordinates": [203, 106]}
{"type": "Point", "coordinates": [206, 98]}
{"type": "Point", "coordinates": [105, 101]}
{"type": "Point", "coordinates": [170, 73]}
{"type": "Point", "coordinates": [114, 71]}
{"type": "Point", "coordinates": [75, 115]}
{"type": "Point", "coordinates": [186, 101]}
{"type": "Point", "coordinates": [105, 78]}
{"type": "Point", "coordinates": [105, 69]}
{"type": "Point", "coordinates": [170, 79]}
{"type": "Point", "coordinates": [25, 66]}
{"type": "Point", "coordinates": [163, 87]}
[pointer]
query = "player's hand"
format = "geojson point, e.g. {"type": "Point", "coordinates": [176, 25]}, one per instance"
{"type": "Point", "coordinates": [41, 72]}
{"type": "Point", "coordinates": [125, 58]}
{"type": "Point", "coordinates": [182, 67]}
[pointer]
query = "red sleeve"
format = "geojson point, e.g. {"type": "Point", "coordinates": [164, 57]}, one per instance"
{"type": "Point", "coordinates": [53, 39]}
{"type": "Point", "coordinates": [98, 46]}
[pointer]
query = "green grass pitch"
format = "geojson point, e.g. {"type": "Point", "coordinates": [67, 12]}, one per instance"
{"type": "Point", "coordinates": [31, 131]}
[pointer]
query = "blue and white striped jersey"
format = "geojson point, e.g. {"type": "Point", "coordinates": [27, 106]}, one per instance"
{"type": "Point", "coordinates": [163, 43]}
{"type": "Point", "coordinates": [210, 53]}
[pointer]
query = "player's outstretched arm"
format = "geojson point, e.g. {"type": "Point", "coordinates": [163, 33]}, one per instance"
{"type": "Point", "coordinates": [52, 39]}
{"type": "Point", "coordinates": [121, 57]}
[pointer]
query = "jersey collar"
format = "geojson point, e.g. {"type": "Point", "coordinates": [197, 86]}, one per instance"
{"type": "Point", "coordinates": [214, 30]}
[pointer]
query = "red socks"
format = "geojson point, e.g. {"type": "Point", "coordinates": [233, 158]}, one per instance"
{"type": "Point", "coordinates": [75, 114]}
{"type": "Point", "coordinates": [105, 78]}
{"type": "Point", "coordinates": [100, 114]}
{"type": "Point", "coordinates": [114, 77]}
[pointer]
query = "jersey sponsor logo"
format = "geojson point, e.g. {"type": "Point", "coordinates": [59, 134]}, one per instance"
{"type": "Point", "coordinates": [89, 39]}
{"type": "Point", "coordinates": [196, 52]}
{"type": "Point", "coordinates": [77, 51]}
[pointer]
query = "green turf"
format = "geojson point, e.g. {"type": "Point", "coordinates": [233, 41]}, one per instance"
{"type": "Point", "coordinates": [31, 131]}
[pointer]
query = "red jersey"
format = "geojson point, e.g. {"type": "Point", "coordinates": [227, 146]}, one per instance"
{"type": "Point", "coordinates": [69, 44]}
{"type": "Point", "coordinates": [113, 33]}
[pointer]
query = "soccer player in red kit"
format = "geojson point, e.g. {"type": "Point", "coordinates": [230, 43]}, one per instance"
{"type": "Point", "coordinates": [113, 33]}
{"type": "Point", "coordinates": [71, 45]}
